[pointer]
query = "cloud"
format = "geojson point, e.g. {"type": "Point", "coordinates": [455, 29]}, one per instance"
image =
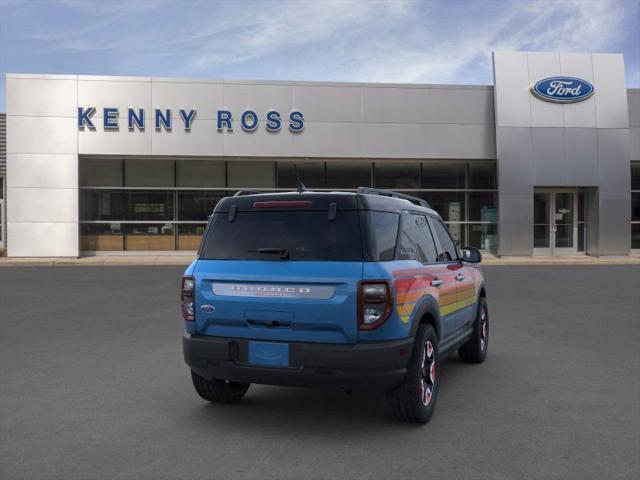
{"type": "Point", "coordinates": [346, 40]}
{"type": "Point", "coordinates": [412, 42]}
{"type": "Point", "coordinates": [571, 25]}
{"type": "Point", "coordinates": [267, 28]}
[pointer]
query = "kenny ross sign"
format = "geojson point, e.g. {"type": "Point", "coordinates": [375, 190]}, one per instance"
{"type": "Point", "coordinates": [249, 120]}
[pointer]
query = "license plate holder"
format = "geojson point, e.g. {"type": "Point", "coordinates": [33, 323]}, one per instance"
{"type": "Point", "coordinates": [269, 354]}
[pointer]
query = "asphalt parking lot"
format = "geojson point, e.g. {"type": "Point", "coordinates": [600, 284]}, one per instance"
{"type": "Point", "coordinates": [93, 386]}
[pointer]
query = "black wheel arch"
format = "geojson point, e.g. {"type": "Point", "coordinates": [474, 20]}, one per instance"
{"type": "Point", "coordinates": [482, 291]}
{"type": "Point", "coordinates": [427, 312]}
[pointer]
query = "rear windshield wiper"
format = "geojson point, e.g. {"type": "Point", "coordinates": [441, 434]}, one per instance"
{"type": "Point", "coordinates": [283, 252]}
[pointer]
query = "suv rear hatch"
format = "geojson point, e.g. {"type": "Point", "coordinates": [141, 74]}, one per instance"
{"type": "Point", "coordinates": [281, 267]}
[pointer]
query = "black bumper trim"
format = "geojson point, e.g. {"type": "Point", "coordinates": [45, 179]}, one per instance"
{"type": "Point", "coordinates": [377, 366]}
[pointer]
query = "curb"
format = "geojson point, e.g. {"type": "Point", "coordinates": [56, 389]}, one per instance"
{"type": "Point", "coordinates": [98, 261]}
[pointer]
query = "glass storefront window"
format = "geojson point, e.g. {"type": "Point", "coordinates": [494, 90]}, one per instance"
{"type": "Point", "coordinates": [200, 173]}
{"type": "Point", "coordinates": [96, 237]}
{"type": "Point", "coordinates": [482, 206]}
{"type": "Point", "coordinates": [247, 175]}
{"type": "Point", "coordinates": [440, 175]}
{"type": "Point", "coordinates": [148, 237]}
{"type": "Point", "coordinates": [103, 205]}
{"type": "Point", "coordinates": [310, 173]}
{"type": "Point", "coordinates": [635, 207]}
{"type": "Point", "coordinates": [149, 173]}
{"type": "Point", "coordinates": [198, 205]}
{"type": "Point", "coordinates": [450, 205]}
{"type": "Point", "coordinates": [457, 231]}
{"type": "Point", "coordinates": [635, 235]}
{"type": "Point", "coordinates": [101, 172]}
{"type": "Point", "coordinates": [483, 236]}
{"type": "Point", "coordinates": [482, 175]}
{"type": "Point", "coordinates": [126, 205]}
{"type": "Point", "coordinates": [190, 235]}
{"type": "Point", "coordinates": [150, 205]}
{"type": "Point", "coordinates": [348, 174]}
{"type": "Point", "coordinates": [130, 202]}
{"type": "Point", "coordinates": [635, 175]}
{"type": "Point", "coordinates": [396, 175]}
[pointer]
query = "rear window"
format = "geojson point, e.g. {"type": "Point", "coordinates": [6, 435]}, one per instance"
{"type": "Point", "coordinates": [278, 235]}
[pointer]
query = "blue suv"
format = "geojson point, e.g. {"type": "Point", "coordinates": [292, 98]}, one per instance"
{"type": "Point", "coordinates": [357, 290]}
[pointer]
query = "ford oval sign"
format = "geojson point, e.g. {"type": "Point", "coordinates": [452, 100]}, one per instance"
{"type": "Point", "coordinates": [562, 89]}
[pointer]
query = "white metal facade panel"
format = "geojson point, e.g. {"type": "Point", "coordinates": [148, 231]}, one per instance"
{"type": "Point", "coordinates": [395, 105]}
{"type": "Point", "coordinates": [544, 114]}
{"type": "Point", "coordinates": [42, 97]}
{"type": "Point", "coordinates": [41, 239]}
{"type": "Point", "coordinates": [328, 103]}
{"type": "Point", "coordinates": [611, 95]}
{"type": "Point", "coordinates": [260, 98]}
{"type": "Point", "coordinates": [116, 142]}
{"type": "Point", "coordinates": [34, 205]}
{"type": "Point", "coordinates": [175, 95]}
{"type": "Point", "coordinates": [395, 140]}
{"type": "Point", "coordinates": [42, 166]}
{"type": "Point", "coordinates": [579, 144]}
{"type": "Point", "coordinates": [260, 143]}
{"type": "Point", "coordinates": [114, 93]}
{"type": "Point", "coordinates": [30, 134]}
{"type": "Point", "coordinates": [582, 114]}
{"type": "Point", "coordinates": [511, 80]}
{"type": "Point", "coordinates": [40, 170]}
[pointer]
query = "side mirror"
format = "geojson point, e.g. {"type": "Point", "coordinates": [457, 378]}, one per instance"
{"type": "Point", "coordinates": [471, 255]}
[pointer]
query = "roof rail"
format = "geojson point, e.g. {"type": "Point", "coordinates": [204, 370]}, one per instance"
{"type": "Point", "coordinates": [242, 193]}
{"type": "Point", "coordinates": [391, 193]}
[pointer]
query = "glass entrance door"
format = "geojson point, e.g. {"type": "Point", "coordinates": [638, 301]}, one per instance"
{"type": "Point", "coordinates": [564, 223]}
{"type": "Point", "coordinates": [555, 222]}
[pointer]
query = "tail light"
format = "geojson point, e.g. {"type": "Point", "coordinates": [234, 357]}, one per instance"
{"type": "Point", "coordinates": [187, 298]}
{"type": "Point", "coordinates": [374, 304]}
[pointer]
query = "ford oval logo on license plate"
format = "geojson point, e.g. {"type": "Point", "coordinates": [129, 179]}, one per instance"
{"type": "Point", "coordinates": [269, 354]}
{"type": "Point", "coordinates": [562, 89]}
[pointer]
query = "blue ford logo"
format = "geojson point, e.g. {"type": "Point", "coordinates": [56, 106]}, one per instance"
{"type": "Point", "coordinates": [562, 89]}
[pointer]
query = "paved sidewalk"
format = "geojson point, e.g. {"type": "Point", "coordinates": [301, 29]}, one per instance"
{"type": "Point", "coordinates": [187, 259]}
{"type": "Point", "coordinates": [567, 260]}
{"type": "Point", "coordinates": [98, 260]}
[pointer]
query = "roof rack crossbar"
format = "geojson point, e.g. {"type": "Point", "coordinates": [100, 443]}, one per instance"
{"type": "Point", "coordinates": [391, 193]}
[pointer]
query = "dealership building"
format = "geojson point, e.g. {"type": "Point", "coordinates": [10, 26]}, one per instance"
{"type": "Point", "coordinates": [546, 161]}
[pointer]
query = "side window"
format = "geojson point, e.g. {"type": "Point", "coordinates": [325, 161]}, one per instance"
{"type": "Point", "coordinates": [384, 232]}
{"type": "Point", "coordinates": [416, 242]}
{"type": "Point", "coordinates": [448, 247]}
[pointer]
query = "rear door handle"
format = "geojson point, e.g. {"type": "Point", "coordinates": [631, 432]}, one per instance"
{"type": "Point", "coordinates": [459, 277]}
{"type": "Point", "coordinates": [436, 282]}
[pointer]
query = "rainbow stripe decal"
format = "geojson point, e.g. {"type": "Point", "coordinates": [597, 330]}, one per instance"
{"type": "Point", "coordinates": [413, 284]}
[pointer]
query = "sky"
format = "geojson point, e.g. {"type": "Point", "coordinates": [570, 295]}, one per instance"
{"type": "Point", "coordinates": [400, 41]}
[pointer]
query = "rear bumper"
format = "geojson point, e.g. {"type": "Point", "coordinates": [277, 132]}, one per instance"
{"type": "Point", "coordinates": [376, 367]}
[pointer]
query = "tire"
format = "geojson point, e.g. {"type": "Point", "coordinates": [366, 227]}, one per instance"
{"type": "Point", "coordinates": [219, 391]}
{"type": "Point", "coordinates": [415, 399]}
{"type": "Point", "coordinates": [475, 349]}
